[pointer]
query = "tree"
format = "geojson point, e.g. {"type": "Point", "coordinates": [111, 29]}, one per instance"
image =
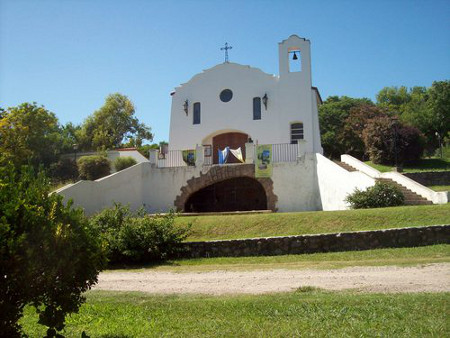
{"type": "Point", "coordinates": [332, 115]}
{"type": "Point", "coordinates": [69, 137]}
{"type": "Point", "coordinates": [49, 254]}
{"type": "Point", "coordinates": [393, 99]}
{"type": "Point", "coordinates": [114, 122]}
{"type": "Point", "coordinates": [352, 134]}
{"type": "Point", "coordinates": [388, 141]}
{"type": "Point", "coordinates": [29, 134]}
{"type": "Point", "coordinates": [439, 104]}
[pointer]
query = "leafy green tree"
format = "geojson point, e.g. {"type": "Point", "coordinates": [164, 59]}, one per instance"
{"type": "Point", "coordinates": [332, 115]}
{"type": "Point", "coordinates": [439, 104]}
{"type": "Point", "coordinates": [70, 137]}
{"type": "Point", "coordinates": [49, 254]}
{"type": "Point", "coordinates": [114, 122]}
{"type": "Point", "coordinates": [29, 134]}
{"type": "Point", "coordinates": [393, 99]}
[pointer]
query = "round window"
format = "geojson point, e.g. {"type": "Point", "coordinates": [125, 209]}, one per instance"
{"type": "Point", "coordinates": [226, 95]}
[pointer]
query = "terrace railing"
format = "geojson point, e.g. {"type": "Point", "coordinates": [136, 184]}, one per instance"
{"type": "Point", "coordinates": [281, 153]}
{"type": "Point", "coordinates": [284, 152]}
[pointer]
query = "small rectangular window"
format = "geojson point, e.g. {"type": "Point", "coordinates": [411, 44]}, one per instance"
{"type": "Point", "coordinates": [256, 108]}
{"type": "Point", "coordinates": [296, 132]}
{"type": "Point", "coordinates": [196, 113]}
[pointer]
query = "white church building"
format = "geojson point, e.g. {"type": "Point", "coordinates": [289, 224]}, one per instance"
{"type": "Point", "coordinates": [240, 139]}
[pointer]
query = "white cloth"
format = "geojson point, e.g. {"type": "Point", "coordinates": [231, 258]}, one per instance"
{"type": "Point", "coordinates": [238, 154]}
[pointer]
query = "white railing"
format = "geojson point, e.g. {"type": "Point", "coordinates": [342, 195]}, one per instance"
{"type": "Point", "coordinates": [281, 152]}
{"type": "Point", "coordinates": [284, 152]}
{"type": "Point", "coordinates": [173, 158]}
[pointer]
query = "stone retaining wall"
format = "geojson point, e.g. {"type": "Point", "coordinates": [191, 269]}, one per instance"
{"type": "Point", "coordinates": [360, 240]}
{"type": "Point", "coordinates": [430, 178]}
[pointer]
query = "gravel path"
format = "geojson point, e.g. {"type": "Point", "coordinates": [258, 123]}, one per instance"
{"type": "Point", "coordinates": [428, 278]}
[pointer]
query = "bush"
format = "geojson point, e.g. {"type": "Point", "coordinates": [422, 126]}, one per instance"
{"type": "Point", "coordinates": [378, 196]}
{"type": "Point", "coordinates": [124, 162]}
{"type": "Point", "coordinates": [49, 255]}
{"type": "Point", "coordinates": [137, 237]}
{"type": "Point", "coordinates": [382, 142]}
{"type": "Point", "coordinates": [93, 167]}
{"type": "Point", "coordinates": [64, 170]}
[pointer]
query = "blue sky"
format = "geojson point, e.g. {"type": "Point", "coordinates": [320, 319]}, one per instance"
{"type": "Point", "coordinates": [69, 55]}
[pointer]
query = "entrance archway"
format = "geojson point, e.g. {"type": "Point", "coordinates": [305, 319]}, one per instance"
{"type": "Point", "coordinates": [233, 140]}
{"type": "Point", "coordinates": [235, 194]}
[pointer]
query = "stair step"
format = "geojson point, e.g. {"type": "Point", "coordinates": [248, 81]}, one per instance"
{"type": "Point", "coordinates": [345, 166]}
{"type": "Point", "coordinates": [411, 198]}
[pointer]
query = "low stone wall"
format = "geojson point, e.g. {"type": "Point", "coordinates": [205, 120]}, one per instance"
{"type": "Point", "coordinates": [350, 241]}
{"type": "Point", "coordinates": [430, 178]}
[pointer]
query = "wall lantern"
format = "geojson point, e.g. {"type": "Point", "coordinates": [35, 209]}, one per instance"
{"type": "Point", "coordinates": [186, 106]}
{"type": "Point", "coordinates": [265, 99]}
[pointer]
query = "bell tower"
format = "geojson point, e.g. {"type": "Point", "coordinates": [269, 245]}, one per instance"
{"type": "Point", "coordinates": [295, 59]}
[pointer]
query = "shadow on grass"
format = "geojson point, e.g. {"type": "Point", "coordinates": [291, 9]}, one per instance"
{"type": "Point", "coordinates": [428, 163]}
{"type": "Point", "coordinates": [139, 266]}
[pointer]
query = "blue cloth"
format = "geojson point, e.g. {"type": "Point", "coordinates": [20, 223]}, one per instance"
{"type": "Point", "coordinates": [223, 155]}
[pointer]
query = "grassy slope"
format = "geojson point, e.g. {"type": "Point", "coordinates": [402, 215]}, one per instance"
{"type": "Point", "coordinates": [281, 224]}
{"type": "Point", "coordinates": [426, 164]}
{"type": "Point", "coordinates": [303, 313]}
{"type": "Point", "coordinates": [331, 260]}
{"type": "Point", "coordinates": [440, 187]}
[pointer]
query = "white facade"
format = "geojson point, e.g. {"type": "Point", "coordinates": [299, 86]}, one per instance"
{"type": "Point", "coordinates": [302, 179]}
{"type": "Point", "coordinates": [290, 99]}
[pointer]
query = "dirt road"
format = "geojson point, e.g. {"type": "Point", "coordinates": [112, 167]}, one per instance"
{"type": "Point", "coordinates": [429, 278]}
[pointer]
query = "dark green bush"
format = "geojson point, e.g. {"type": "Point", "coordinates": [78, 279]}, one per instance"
{"type": "Point", "coordinates": [378, 196]}
{"type": "Point", "coordinates": [49, 254]}
{"type": "Point", "coordinates": [93, 167]}
{"type": "Point", "coordinates": [64, 170]}
{"type": "Point", "coordinates": [137, 237]}
{"type": "Point", "coordinates": [121, 163]}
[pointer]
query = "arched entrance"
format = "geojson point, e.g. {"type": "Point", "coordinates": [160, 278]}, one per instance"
{"type": "Point", "coordinates": [235, 194]}
{"type": "Point", "coordinates": [233, 140]}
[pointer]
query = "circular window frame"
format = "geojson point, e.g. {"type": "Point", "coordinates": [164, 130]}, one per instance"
{"type": "Point", "coordinates": [226, 95]}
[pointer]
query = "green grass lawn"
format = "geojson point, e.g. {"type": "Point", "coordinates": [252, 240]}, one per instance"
{"type": "Point", "coordinates": [426, 164]}
{"type": "Point", "coordinates": [440, 187]}
{"type": "Point", "coordinates": [331, 260]}
{"type": "Point", "coordinates": [299, 223]}
{"type": "Point", "coordinates": [307, 312]}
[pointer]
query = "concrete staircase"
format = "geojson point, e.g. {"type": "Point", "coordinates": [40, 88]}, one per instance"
{"type": "Point", "coordinates": [344, 165]}
{"type": "Point", "coordinates": [411, 198]}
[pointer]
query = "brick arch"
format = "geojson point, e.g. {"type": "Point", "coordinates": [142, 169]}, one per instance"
{"type": "Point", "coordinates": [221, 173]}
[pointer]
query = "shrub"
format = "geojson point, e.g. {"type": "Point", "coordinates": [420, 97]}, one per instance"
{"type": "Point", "coordinates": [378, 196]}
{"type": "Point", "coordinates": [64, 170]}
{"type": "Point", "coordinates": [124, 162]}
{"type": "Point", "coordinates": [137, 237]}
{"type": "Point", "coordinates": [49, 255]}
{"type": "Point", "coordinates": [382, 141]}
{"type": "Point", "coordinates": [93, 167]}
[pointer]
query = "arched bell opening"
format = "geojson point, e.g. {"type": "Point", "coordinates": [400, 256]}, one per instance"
{"type": "Point", "coordinates": [235, 194]}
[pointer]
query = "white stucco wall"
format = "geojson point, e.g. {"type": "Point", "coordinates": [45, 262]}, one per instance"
{"type": "Point", "coordinates": [296, 186]}
{"type": "Point", "coordinates": [335, 183]}
{"type": "Point", "coordinates": [124, 187]}
{"type": "Point", "coordinates": [157, 188]}
{"type": "Point", "coordinates": [290, 99]}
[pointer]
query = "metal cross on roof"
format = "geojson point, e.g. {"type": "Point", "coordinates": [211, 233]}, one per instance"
{"type": "Point", "coordinates": [226, 50]}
